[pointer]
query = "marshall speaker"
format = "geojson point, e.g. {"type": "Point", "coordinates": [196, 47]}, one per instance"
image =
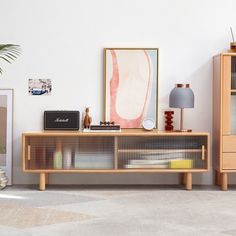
{"type": "Point", "coordinates": [61, 120]}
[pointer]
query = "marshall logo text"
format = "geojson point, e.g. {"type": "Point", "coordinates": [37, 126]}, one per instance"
{"type": "Point", "coordinates": [61, 120]}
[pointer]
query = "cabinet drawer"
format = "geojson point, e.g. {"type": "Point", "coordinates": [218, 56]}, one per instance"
{"type": "Point", "coordinates": [229, 143]}
{"type": "Point", "coordinates": [229, 161]}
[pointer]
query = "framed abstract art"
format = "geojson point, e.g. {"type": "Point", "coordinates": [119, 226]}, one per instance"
{"type": "Point", "coordinates": [6, 120]}
{"type": "Point", "coordinates": [131, 85]}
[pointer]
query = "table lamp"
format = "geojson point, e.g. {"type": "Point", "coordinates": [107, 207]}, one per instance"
{"type": "Point", "coordinates": [181, 97]}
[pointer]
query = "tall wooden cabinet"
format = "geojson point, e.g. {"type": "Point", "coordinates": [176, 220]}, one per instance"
{"type": "Point", "coordinates": [224, 117]}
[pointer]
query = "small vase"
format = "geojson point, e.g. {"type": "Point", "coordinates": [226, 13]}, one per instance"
{"type": "Point", "coordinates": [57, 156]}
{"type": "Point", "coordinates": [67, 158]}
{"type": "Point", "coordinates": [57, 160]}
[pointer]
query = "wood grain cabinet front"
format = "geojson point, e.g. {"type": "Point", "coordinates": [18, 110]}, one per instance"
{"type": "Point", "coordinates": [229, 161]}
{"type": "Point", "coordinates": [121, 152]}
{"type": "Point", "coordinates": [224, 117]}
{"type": "Point", "coordinates": [229, 143]}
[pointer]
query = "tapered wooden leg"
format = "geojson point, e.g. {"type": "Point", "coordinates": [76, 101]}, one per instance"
{"type": "Point", "coordinates": [183, 178]}
{"type": "Point", "coordinates": [224, 185]}
{"type": "Point", "coordinates": [189, 181]}
{"type": "Point", "coordinates": [218, 178]}
{"type": "Point", "coordinates": [42, 181]}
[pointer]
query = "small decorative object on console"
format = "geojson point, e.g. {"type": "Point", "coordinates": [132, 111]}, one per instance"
{"type": "Point", "coordinates": [87, 119]}
{"type": "Point", "coordinates": [148, 124]}
{"type": "Point", "coordinates": [169, 120]}
{"type": "Point", "coordinates": [61, 120]}
{"type": "Point", "coordinates": [106, 126]}
{"type": "Point", "coordinates": [108, 123]}
{"type": "Point", "coordinates": [181, 97]}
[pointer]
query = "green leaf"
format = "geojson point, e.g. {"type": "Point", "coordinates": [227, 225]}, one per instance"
{"type": "Point", "coordinates": [9, 52]}
{"type": "Point", "coordinates": [5, 59]}
{"type": "Point", "coordinates": [10, 56]}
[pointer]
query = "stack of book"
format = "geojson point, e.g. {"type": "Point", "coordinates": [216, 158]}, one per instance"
{"type": "Point", "coordinates": [3, 179]}
{"type": "Point", "coordinates": [103, 128]}
{"type": "Point", "coordinates": [181, 164]}
{"type": "Point", "coordinates": [142, 163]}
{"type": "Point", "coordinates": [160, 164]}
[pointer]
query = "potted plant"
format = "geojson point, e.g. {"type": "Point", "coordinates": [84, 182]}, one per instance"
{"type": "Point", "coordinates": [8, 53]}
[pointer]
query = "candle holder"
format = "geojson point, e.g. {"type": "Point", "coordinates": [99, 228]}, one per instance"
{"type": "Point", "coordinates": [169, 120]}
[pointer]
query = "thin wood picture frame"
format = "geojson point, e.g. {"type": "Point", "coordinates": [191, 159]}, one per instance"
{"type": "Point", "coordinates": [131, 86]}
{"type": "Point", "coordinates": [6, 131]}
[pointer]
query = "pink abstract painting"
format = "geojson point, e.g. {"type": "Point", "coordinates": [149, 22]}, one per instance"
{"type": "Point", "coordinates": [131, 86]}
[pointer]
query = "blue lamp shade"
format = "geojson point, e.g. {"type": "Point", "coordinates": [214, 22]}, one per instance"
{"type": "Point", "coordinates": [181, 97]}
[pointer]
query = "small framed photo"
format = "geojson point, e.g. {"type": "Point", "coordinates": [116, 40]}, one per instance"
{"type": "Point", "coordinates": [6, 121]}
{"type": "Point", "coordinates": [131, 85]}
{"type": "Point", "coordinates": [40, 86]}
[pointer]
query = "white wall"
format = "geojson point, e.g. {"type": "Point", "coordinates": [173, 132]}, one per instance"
{"type": "Point", "coordinates": [63, 40]}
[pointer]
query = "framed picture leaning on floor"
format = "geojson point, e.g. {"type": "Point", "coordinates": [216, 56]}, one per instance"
{"type": "Point", "coordinates": [6, 122]}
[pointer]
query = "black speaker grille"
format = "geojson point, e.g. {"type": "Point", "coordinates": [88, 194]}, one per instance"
{"type": "Point", "coordinates": [61, 120]}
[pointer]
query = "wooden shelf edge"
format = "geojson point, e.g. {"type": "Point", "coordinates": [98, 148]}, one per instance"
{"type": "Point", "coordinates": [119, 171]}
{"type": "Point", "coordinates": [227, 170]}
{"type": "Point", "coordinates": [160, 150]}
{"type": "Point", "coordinates": [124, 132]}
